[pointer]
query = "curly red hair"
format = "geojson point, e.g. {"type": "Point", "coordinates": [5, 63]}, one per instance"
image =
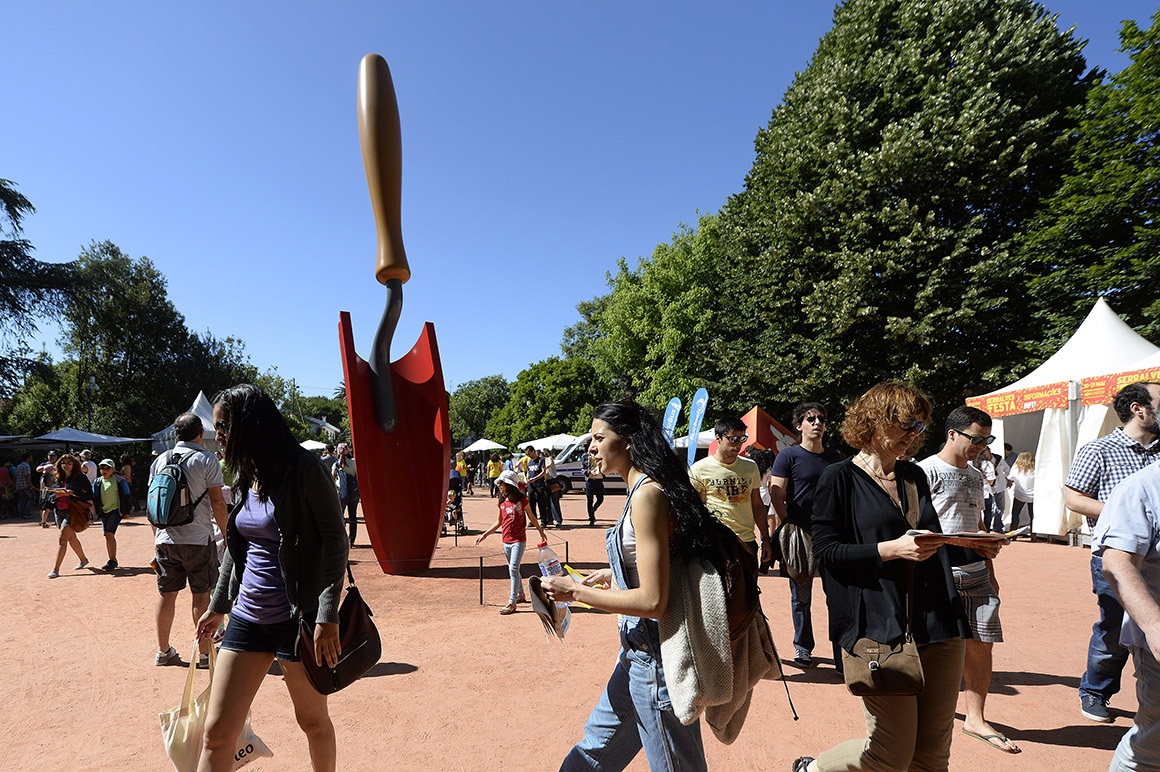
{"type": "Point", "coordinates": [883, 403]}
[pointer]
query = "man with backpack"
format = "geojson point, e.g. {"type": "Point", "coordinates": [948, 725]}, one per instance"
{"type": "Point", "coordinates": [185, 499]}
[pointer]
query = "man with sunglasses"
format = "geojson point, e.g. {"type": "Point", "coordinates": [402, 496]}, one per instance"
{"type": "Point", "coordinates": [730, 486]}
{"type": "Point", "coordinates": [795, 475]}
{"type": "Point", "coordinates": [958, 493]}
{"type": "Point", "coordinates": [1100, 466]}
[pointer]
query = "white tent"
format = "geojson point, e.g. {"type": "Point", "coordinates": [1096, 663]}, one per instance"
{"type": "Point", "coordinates": [555, 442]}
{"type": "Point", "coordinates": [704, 439]}
{"type": "Point", "coordinates": [482, 444]}
{"type": "Point", "coordinates": [313, 445]}
{"type": "Point", "coordinates": [1097, 393]}
{"type": "Point", "coordinates": [1043, 411]}
{"type": "Point", "coordinates": [203, 409]}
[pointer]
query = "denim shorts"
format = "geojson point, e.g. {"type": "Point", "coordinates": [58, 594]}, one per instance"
{"type": "Point", "coordinates": [279, 637]}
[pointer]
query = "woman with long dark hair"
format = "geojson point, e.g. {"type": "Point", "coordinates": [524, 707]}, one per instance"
{"type": "Point", "coordinates": [286, 556]}
{"type": "Point", "coordinates": [663, 516]}
{"type": "Point", "coordinates": [72, 489]}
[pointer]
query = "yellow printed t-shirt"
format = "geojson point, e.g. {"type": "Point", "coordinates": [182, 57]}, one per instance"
{"type": "Point", "coordinates": [725, 489]}
{"type": "Point", "coordinates": [494, 469]}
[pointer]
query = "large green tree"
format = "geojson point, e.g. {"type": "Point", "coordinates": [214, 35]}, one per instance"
{"type": "Point", "coordinates": [1099, 235]}
{"type": "Point", "coordinates": [552, 396]}
{"type": "Point", "coordinates": [874, 232]}
{"type": "Point", "coordinates": [125, 335]}
{"type": "Point", "coordinates": [28, 288]}
{"type": "Point", "coordinates": [472, 405]}
{"type": "Point", "coordinates": [658, 333]}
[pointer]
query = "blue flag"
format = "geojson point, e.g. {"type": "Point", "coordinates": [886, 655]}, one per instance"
{"type": "Point", "coordinates": [696, 416]}
{"type": "Point", "coordinates": [669, 424]}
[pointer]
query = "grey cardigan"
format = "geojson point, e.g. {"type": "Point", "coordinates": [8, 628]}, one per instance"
{"type": "Point", "coordinates": [313, 549]}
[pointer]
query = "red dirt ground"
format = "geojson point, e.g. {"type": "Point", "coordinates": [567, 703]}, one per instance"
{"type": "Point", "coordinates": [462, 688]}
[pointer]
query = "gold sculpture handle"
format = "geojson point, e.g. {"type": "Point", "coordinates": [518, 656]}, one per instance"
{"type": "Point", "coordinates": [382, 150]}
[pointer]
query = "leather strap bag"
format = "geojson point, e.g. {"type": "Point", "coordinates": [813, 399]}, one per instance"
{"type": "Point", "coordinates": [875, 669]}
{"type": "Point", "coordinates": [358, 640]}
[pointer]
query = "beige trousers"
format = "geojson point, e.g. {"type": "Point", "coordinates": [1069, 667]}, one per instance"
{"type": "Point", "coordinates": [908, 733]}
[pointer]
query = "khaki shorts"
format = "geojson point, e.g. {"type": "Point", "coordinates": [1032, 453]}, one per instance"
{"type": "Point", "coordinates": [177, 563]}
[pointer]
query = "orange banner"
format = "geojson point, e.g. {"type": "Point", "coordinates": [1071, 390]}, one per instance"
{"type": "Point", "coordinates": [1029, 400]}
{"type": "Point", "coordinates": [1101, 389]}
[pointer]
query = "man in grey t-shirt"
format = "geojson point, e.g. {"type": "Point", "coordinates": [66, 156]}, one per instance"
{"type": "Point", "coordinates": [186, 553]}
{"type": "Point", "coordinates": [957, 491]}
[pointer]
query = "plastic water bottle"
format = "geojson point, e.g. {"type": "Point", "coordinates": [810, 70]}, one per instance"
{"type": "Point", "coordinates": [550, 565]}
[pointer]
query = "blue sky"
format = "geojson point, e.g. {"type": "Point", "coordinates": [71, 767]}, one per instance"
{"type": "Point", "coordinates": [541, 142]}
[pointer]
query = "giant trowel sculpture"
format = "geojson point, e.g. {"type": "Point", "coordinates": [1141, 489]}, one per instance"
{"type": "Point", "coordinates": [398, 410]}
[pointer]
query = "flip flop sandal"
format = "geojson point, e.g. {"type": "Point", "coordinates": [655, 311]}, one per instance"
{"type": "Point", "coordinates": [996, 741]}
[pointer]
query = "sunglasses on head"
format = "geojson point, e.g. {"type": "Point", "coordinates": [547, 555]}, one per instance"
{"type": "Point", "coordinates": [914, 425]}
{"type": "Point", "coordinates": [977, 439]}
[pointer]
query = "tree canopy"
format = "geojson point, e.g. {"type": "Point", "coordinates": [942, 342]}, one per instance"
{"type": "Point", "coordinates": [1099, 234]}
{"type": "Point", "coordinates": [472, 404]}
{"type": "Point", "coordinates": [873, 236]}
{"type": "Point", "coordinates": [28, 288]}
{"type": "Point", "coordinates": [552, 396]}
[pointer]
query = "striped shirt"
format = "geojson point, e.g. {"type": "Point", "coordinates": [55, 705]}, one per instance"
{"type": "Point", "coordinates": [1102, 464]}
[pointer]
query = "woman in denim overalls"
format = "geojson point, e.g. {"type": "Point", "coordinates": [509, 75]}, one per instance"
{"type": "Point", "coordinates": [663, 516]}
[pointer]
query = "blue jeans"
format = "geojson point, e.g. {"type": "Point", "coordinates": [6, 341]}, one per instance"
{"type": "Point", "coordinates": [634, 712]}
{"type": "Point", "coordinates": [1140, 747]}
{"type": "Point", "coordinates": [800, 598]}
{"type": "Point", "coordinates": [1106, 657]}
{"type": "Point", "coordinates": [514, 553]}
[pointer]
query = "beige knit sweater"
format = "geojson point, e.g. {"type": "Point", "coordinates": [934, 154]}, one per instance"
{"type": "Point", "coordinates": [705, 671]}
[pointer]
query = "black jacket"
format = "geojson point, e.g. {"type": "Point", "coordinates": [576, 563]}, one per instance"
{"type": "Point", "coordinates": [866, 596]}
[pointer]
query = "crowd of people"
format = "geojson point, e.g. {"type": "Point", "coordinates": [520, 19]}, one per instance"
{"type": "Point", "coordinates": [906, 549]}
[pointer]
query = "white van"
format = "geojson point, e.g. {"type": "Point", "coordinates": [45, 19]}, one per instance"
{"type": "Point", "coordinates": [570, 472]}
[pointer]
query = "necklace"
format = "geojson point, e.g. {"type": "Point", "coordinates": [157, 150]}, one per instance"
{"type": "Point", "coordinates": [866, 465]}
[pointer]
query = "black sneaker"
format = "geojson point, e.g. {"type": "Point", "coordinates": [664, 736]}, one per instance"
{"type": "Point", "coordinates": [1094, 708]}
{"type": "Point", "coordinates": [110, 566]}
{"type": "Point", "coordinates": [801, 764]}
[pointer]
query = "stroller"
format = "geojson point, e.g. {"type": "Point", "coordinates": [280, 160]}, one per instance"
{"type": "Point", "coordinates": [453, 512]}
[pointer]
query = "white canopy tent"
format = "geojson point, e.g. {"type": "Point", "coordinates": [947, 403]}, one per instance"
{"type": "Point", "coordinates": [313, 445]}
{"type": "Point", "coordinates": [704, 439]}
{"type": "Point", "coordinates": [203, 409]}
{"type": "Point", "coordinates": [1097, 393]}
{"type": "Point", "coordinates": [1042, 412]}
{"type": "Point", "coordinates": [483, 444]}
{"type": "Point", "coordinates": [554, 442]}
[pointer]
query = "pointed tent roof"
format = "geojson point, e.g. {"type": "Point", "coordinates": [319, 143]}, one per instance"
{"type": "Point", "coordinates": [1102, 344]}
{"type": "Point", "coordinates": [71, 436]}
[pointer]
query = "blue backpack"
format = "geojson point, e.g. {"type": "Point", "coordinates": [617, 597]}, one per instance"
{"type": "Point", "coordinates": [168, 504]}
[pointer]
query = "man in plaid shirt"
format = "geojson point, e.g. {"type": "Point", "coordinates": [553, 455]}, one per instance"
{"type": "Point", "coordinates": [1100, 466]}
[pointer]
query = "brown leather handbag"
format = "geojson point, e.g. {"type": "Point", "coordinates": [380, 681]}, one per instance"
{"type": "Point", "coordinates": [360, 646]}
{"type": "Point", "coordinates": [80, 514]}
{"type": "Point", "coordinates": [876, 669]}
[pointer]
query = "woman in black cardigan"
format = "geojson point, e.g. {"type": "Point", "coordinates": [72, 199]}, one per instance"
{"type": "Point", "coordinates": [861, 543]}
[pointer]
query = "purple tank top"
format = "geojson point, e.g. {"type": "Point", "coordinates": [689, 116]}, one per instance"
{"type": "Point", "coordinates": [262, 598]}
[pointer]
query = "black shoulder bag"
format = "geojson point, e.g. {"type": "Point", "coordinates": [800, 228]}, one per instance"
{"type": "Point", "coordinates": [360, 647]}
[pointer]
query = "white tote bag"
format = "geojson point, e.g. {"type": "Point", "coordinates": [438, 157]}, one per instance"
{"type": "Point", "coordinates": [182, 727]}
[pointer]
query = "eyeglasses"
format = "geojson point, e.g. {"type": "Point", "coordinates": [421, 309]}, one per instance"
{"type": "Point", "coordinates": [977, 439]}
{"type": "Point", "coordinates": [221, 426]}
{"type": "Point", "coordinates": [734, 439]}
{"type": "Point", "coordinates": [815, 419]}
{"type": "Point", "coordinates": [914, 425]}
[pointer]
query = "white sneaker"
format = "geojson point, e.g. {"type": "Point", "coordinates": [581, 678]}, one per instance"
{"type": "Point", "coordinates": [53, 574]}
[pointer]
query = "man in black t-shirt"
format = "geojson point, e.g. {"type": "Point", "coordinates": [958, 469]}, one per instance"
{"type": "Point", "coordinates": [795, 475]}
